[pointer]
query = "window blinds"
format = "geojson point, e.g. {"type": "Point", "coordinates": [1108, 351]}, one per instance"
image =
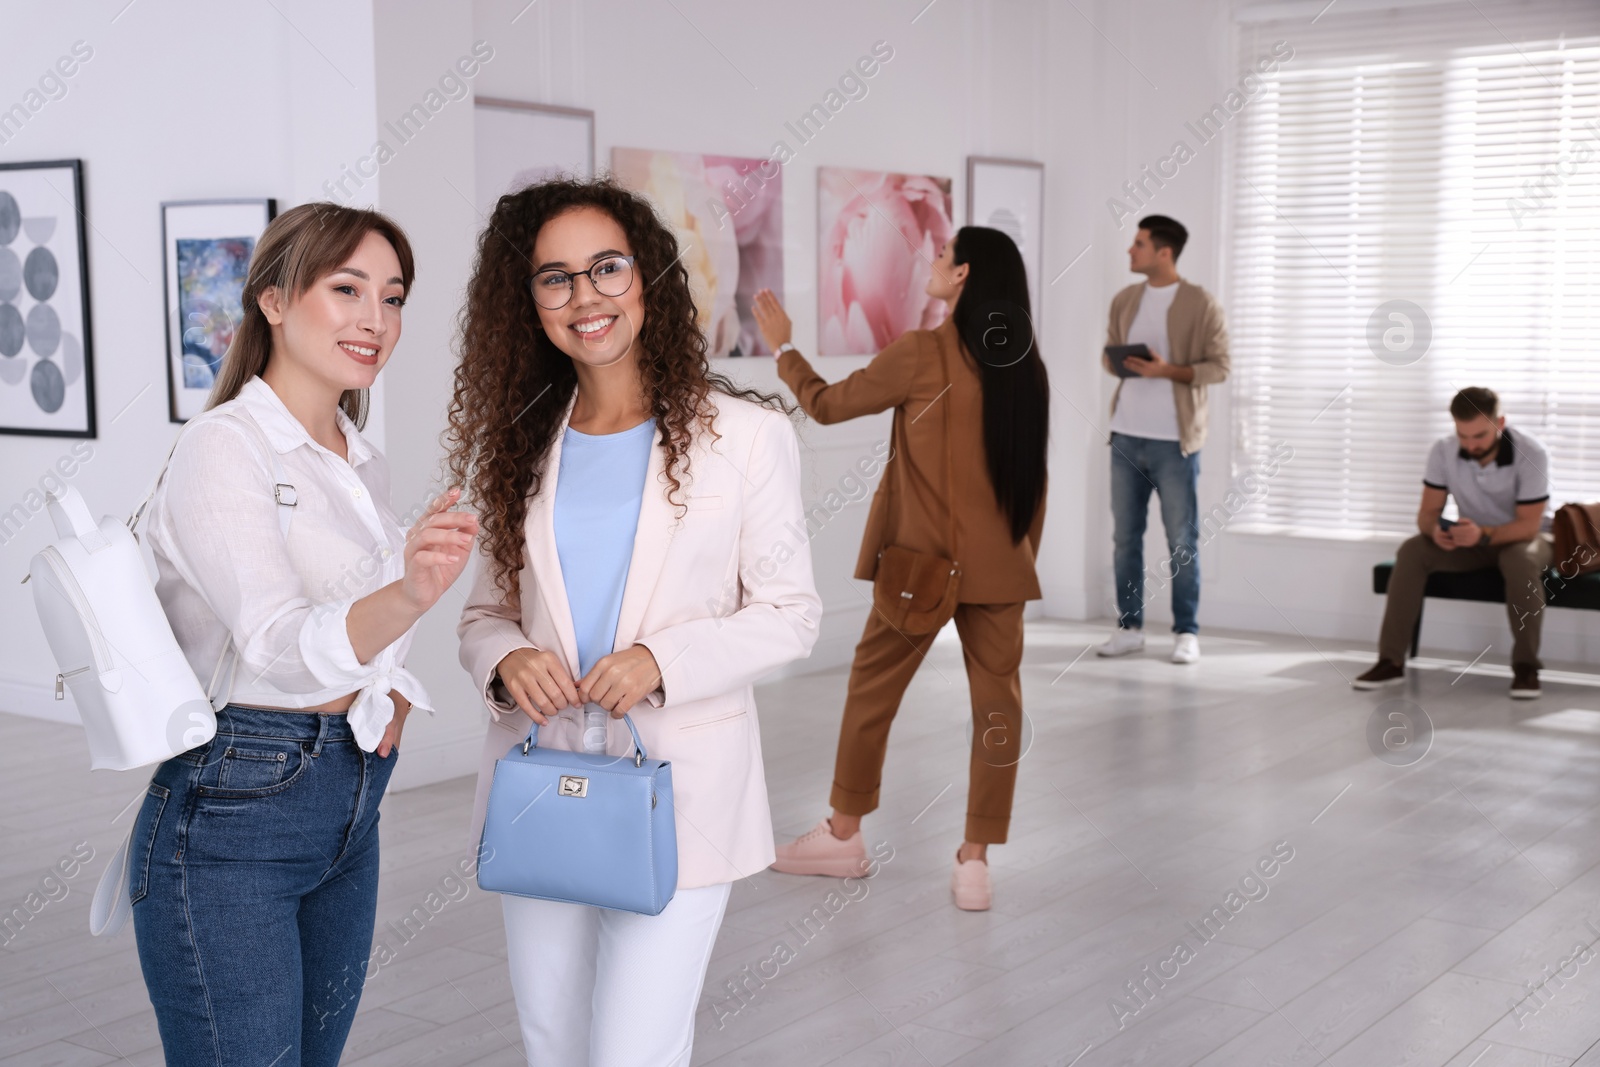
{"type": "Point", "coordinates": [1415, 207]}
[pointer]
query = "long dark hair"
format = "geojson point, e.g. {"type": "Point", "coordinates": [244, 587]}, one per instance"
{"type": "Point", "coordinates": [994, 317]}
{"type": "Point", "coordinates": [512, 383]}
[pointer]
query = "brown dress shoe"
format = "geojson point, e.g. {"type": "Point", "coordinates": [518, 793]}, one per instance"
{"type": "Point", "coordinates": [1386, 672]}
{"type": "Point", "coordinates": [1524, 683]}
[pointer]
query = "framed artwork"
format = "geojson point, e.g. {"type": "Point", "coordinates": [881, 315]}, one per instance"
{"type": "Point", "coordinates": [206, 249]}
{"type": "Point", "coordinates": [516, 144]}
{"type": "Point", "coordinates": [727, 213]}
{"type": "Point", "coordinates": [46, 356]}
{"type": "Point", "coordinates": [1008, 195]}
{"type": "Point", "coordinates": [878, 235]}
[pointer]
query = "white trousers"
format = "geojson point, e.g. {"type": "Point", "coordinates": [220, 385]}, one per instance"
{"type": "Point", "coordinates": [599, 988]}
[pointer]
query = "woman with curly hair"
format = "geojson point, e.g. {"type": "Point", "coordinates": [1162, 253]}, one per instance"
{"type": "Point", "coordinates": [637, 554]}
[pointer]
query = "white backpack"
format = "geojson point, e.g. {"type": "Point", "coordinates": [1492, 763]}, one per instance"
{"type": "Point", "coordinates": [139, 701]}
{"type": "Point", "coordinates": [137, 696]}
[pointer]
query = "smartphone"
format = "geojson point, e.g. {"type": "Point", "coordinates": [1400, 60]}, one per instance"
{"type": "Point", "coordinates": [1445, 524]}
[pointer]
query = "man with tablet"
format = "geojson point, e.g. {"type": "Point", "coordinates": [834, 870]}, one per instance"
{"type": "Point", "coordinates": [1501, 485]}
{"type": "Point", "coordinates": [1167, 342]}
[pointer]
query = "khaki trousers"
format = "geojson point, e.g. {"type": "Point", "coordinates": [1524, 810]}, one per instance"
{"type": "Point", "coordinates": [1522, 563]}
{"type": "Point", "coordinates": [886, 659]}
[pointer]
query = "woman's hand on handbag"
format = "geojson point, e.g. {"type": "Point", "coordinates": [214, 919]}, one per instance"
{"type": "Point", "coordinates": [771, 319]}
{"type": "Point", "coordinates": [437, 550]}
{"type": "Point", "coordinates": [539, 683]}
{"type": "Point", "coordinates": [391, 733]}
{"type": "Point", "coordinates": [619, 681]}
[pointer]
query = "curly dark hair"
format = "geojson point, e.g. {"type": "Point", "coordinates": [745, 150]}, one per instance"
{"type": "Point", "coordinates": [512, 384]}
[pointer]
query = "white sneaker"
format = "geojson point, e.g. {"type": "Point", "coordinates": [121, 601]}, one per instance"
{"type": "Point", "coordinates": [1186, 649]}
{"type": "Point", "coordinates": [1122, 642]}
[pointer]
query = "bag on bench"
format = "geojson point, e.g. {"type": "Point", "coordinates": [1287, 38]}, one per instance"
{"type": "Point", "coordinates": [1576, 531]}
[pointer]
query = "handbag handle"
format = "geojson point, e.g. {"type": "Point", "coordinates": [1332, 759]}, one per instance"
{"type": "Point", "coordinates": [639, 754]}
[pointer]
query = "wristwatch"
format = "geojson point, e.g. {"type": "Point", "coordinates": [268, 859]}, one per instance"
{"type": "Point", "coordinates": [785, 347]}
{"type": "Point", "coordinates": [1485, 537]}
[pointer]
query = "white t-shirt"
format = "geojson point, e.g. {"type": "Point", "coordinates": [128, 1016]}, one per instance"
{"type": "Point", "coordinates": [1145, 407]}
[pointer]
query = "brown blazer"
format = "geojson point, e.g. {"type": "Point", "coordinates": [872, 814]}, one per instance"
{"type": "Point", "coordinates": [906, 376]}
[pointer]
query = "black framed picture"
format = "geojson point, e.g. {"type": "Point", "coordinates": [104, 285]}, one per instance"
{"type": "Point", "coordinates": [205, 258]}
{"type": "Point", "coordinates": [46, 353]}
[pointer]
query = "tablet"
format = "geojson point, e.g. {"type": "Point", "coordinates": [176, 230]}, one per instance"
{"type": "Point", "coordinates": [1119, 356]}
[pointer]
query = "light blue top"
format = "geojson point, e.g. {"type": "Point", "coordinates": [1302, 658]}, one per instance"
{"type": "Point", "coordinates": [598, 489]}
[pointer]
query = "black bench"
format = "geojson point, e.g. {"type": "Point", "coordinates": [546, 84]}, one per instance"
{"type": "Point", "coordinates": [1489, 585]}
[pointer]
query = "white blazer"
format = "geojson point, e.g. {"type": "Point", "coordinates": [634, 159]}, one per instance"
{"type": "Point", "coordinates": [720, 597]}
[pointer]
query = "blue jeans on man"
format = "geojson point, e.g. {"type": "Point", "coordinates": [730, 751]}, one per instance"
{"type": "Point", "coordinates": [1138, 465]}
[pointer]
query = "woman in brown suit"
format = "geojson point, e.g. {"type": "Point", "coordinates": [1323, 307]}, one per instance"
{"type": "Point", "coordinates": [966, 485]}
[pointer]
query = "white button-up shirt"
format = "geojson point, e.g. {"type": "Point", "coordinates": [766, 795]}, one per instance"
{"type": "Point", "coordinates": [229, 577]}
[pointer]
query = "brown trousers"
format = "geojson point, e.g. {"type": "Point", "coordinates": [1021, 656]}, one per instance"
{"type": "Point", "coordinates": [886, 659]}
{"type": "Point", "coordinates": [1522, 563]}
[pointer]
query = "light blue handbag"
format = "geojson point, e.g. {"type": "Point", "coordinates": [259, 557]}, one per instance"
{"type": "Point", "coordinates": [581, 828]}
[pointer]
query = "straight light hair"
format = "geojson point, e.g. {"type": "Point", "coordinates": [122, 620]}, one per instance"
{"type": "Point", "coordinates": [298, 247]}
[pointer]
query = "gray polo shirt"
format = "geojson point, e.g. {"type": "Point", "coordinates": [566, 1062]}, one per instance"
{"type": "Point", "coordinates": [1489, 495]}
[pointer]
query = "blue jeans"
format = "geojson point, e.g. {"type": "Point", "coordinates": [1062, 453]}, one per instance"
{"type": "Point", "coordinates": [253, 872]}
{"type": "Point", "coordinates": [1138, 465]}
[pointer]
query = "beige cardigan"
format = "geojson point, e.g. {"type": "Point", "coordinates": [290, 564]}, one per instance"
{"type": "Point", "coordinates": [1199, 339]}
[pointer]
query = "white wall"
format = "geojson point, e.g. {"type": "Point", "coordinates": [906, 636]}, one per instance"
{"type": "Point", "coordinates": [178, 101]}
{"type": "Point", "coordinates": [191, 100]}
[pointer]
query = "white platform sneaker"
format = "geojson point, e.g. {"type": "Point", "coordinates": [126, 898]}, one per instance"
{"type": "Point", "coordinates": [1186, 649]}
{"type": "Point", "coordinates": [1122, 642]}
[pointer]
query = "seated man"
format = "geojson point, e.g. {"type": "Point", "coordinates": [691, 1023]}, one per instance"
{"type": "Point", "coordinates": [1501, 486]}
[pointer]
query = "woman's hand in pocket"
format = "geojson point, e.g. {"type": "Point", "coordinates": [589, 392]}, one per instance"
{"type": "Point", "coordinates": [619, 681]}
{"type": "Point", "coordinates": [538, 682]}
{"type": "Point", "coordinates": [391, 733]}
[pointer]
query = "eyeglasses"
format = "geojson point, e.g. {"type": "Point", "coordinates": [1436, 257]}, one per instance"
{"type": "Point", "coordinates": [552, 289]}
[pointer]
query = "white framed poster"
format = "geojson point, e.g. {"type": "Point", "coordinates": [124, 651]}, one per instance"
{"type": "Point", "coordinates": [46, 356]}
{"type": "Point", "coordinates": [1008, 195]}
{"type": "Point", "coordinates": [206, 247]}
{"type": "Point", "coordinates": [516, 144]}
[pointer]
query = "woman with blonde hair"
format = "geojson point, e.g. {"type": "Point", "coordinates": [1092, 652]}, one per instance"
{"type": "Point", "coordinates": [637, 556]}
{"type": "Point", "coordinates": [254, 859]}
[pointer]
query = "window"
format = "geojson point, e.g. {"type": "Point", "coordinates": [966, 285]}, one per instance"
{"type": "Point", "coordinates": [1415, 208]}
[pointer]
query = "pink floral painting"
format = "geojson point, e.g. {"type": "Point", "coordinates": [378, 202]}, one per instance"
{"type": "Point", "coordinates": [880, 233]}
{"type": "Point", "coordinates": [727, 212]}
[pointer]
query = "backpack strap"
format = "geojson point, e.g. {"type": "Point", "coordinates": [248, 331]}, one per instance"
{"type": "Point", "coordinates": [283, 491]}
{"type": "Point", "coordinates": [133, 520]}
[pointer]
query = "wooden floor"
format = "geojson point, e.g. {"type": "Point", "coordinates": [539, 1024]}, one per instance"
{"type": "Point", "coordinates": [1442, 912]}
